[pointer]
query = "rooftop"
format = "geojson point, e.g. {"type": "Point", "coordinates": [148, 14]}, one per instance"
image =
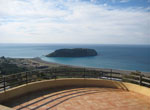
{"type": "Point", "coordinates": [65, 90]}
{"type": "Point", "coordinates": [91, 98]}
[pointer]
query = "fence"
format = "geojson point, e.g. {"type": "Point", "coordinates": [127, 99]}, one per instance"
{"type": "Point", "coordinates": [9, 81]}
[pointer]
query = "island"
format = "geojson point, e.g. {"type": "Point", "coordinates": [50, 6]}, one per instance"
{"type": "Point", "coordinates": [75, 52]}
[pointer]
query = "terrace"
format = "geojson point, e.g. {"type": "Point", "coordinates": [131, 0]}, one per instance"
{"type": "Point", "coordinates": [75, 89]}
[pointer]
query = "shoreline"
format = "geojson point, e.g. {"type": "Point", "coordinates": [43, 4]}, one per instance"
{"type": "Point", "coordinates": [39, 60]}
{"type": "Point", "coordinates": [37, 63]}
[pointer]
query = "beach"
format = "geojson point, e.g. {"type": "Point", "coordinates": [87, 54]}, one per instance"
{"type": "Point", "coordinates": [37, 63]}
{"type": "Point", "coordinates": [52, 64]}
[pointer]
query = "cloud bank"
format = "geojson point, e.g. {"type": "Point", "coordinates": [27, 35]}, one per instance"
{"type": "Point", "coordinates": [72, 21]}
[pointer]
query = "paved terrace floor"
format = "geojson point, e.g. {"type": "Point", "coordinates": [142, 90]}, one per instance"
{"type": "Point", "coordinates": [82, 99]}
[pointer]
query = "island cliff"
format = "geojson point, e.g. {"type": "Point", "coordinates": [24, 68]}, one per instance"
{"type": "Point", "coordinates": [76, 52]}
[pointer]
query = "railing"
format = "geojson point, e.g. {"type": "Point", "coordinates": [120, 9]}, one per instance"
{"type": "Point", "coordinates": [9, 81]}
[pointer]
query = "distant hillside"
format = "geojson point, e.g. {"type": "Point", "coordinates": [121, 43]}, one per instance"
{"type": "Point", "coordinates": [7, 67]}
{"type": "Point", "coordinates": [76, 52]}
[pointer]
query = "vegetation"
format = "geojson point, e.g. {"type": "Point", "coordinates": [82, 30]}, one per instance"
{"type": "Point", "coordinates": [77, 52]}
{"type": "Point", "coordinates": [6, 67]}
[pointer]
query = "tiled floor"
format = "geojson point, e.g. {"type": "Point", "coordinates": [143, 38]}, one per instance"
{"type": "Point", "coordinates": [82, 99]}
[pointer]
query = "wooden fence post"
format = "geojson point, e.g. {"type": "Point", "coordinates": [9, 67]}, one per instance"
{"type": "Point", "coordinates": [100, 74]}
{"type": "Point", "coordinates": [84, 73]}
{"type": "Point", "coordinates": [26, 77]}
{"type": "Point", "coordinates": [111, 74]}
{"type": "Point", "coordinates": [140, 79]}
{"type": "Point", "coordinates": [54, 73]}
{"type": "Point", "coordinates": [4, 82]}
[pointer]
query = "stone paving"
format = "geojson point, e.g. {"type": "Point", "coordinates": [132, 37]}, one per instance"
{"type": "Point", "coordinates": [82, 99]}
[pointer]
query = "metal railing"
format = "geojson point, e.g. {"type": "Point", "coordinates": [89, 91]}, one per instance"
{"type": "Point", "coordinates": [9, 81]}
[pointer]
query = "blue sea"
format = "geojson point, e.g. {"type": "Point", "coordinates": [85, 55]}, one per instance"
{"type": "Point", "coordinates": [123, 57]}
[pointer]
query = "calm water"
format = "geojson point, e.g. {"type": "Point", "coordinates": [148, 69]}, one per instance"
{"type": "Point", "coordinates": [125, 57]}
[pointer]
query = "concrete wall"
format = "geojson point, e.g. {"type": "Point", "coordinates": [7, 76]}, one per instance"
{"type": "Point", "coordinates": [5, 108]}
{"type": "Point", "coordinates": [45, 84]}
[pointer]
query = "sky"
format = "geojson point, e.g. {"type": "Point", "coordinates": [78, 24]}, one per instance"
{"type": "Point", "coordinates": [75, 21]}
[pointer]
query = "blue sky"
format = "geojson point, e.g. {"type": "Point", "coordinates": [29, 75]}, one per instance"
{"type": "Point", "coordinates": [75, 21]}
{"type": "Point", "coordinates": [125, 3]}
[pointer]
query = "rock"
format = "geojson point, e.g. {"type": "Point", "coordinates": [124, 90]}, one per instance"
{"type": "Point", "coordinates": [76, 52]}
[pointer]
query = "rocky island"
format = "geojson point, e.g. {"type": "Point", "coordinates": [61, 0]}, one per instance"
{"type": "Point", "coordinates": [76, 52]}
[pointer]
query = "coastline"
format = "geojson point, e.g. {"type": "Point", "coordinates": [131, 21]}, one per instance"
{"type": "Point", "coordinates": [37, 63]}
{"type": "Point", "coordinates": [52, 64]}
{"type": "Point", "coordinates": [109, 56]}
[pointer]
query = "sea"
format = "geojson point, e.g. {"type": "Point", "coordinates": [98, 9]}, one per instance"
{"type": "Point", "coordinates": [110, 56]}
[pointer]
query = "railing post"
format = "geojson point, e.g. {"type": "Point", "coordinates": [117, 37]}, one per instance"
{"type": "Point", "coordinates": [140, 79]}
{"type": "Point", "coordinates": [4, 82]}
{"type": "Point", "coordinates": [26, 78]}
{"type": "Point", "coordinates": [111, 74]}
{"type": "Point", "coordinates": [84, 73]}
{"type": "Point", "coordinates": [54, 74]}
{"type": "Point", "coordinates": [100, 74]}
{"type": "Point", "coordinates": [121, 75]}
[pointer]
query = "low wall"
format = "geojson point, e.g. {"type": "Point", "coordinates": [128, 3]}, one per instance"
{"type": "Point", "coordinates": [5, 108]}
{"type": "Point", "coordinates": [45, 84]}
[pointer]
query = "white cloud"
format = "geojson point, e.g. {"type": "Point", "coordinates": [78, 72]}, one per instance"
{"type": "Point", "coordinates": [121, 1]}
{"type": "Point", "coordinates": [71, 22]}
{"type": "Point", "coordinates": [124, 1]}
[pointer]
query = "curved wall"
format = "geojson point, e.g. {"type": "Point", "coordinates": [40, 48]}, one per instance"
{"type": "Point", "coordinates": [46, 84]}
